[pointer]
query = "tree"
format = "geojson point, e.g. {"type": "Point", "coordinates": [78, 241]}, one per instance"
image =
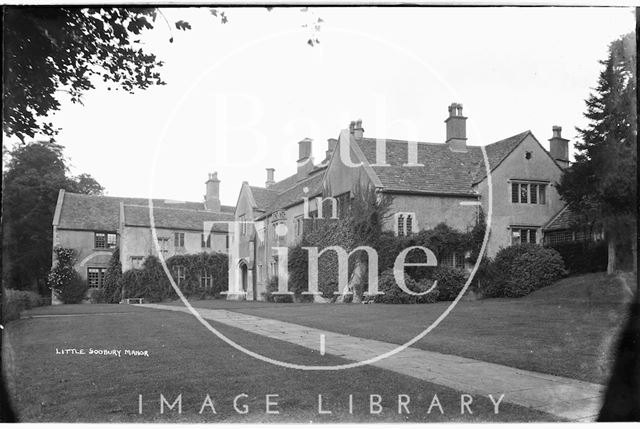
{"type": "Point", "coordinates": [368, 211]}
{"type": "Point", "coordinates": [33, 176]}
{"type": "Point", "coordinates": [601, 184]}
{"type": "Point", "coordinates": [54, 51]}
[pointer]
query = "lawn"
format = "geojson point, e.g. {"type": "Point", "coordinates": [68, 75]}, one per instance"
{"type": "Point", "coordinates": [185, 359]}
{"type": "Point", "coordinates": [567, 329]}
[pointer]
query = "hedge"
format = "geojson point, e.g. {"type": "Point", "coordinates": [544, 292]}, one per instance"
{"type": "Point", "coordinates": [582, 257]}
{"type": "Point", "coordinates": [15, 301]}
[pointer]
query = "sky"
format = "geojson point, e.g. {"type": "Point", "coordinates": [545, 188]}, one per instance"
{"type": "Point", "coordinates": [239, 96]}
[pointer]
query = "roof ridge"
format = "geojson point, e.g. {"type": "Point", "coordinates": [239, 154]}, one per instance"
{"type": "Point", "coordinates": [296, 184]}
{"type": "Point", "coordinates": [133, 198]}
{"type": "Point", "coordinates": [176, 208]}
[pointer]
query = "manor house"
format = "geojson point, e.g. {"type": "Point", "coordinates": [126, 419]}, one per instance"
{"type": "Point", "coordinates": [95, 225]}
{"type": "Point", "coordinates": [430, 183]}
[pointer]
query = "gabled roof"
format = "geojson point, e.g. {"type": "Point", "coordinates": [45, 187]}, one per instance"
{"type": "Point", "coordinates": [174, 218]}
{"type": "Point", "coordinates": [294, 195]}
{"type": "Point", "coordinates": [263, 197]}
{"type": "Point", "coordinates": [498, 151]}
{"type": "Point", "coordinates": [102, 213]}
{"type": "Point", "coordinates": [564, 219]}
{"type": "Point", "coordinates": [443, 172]}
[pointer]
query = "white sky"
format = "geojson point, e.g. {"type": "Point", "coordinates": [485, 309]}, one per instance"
{"type": "Point", "coordinates": [239, 96]}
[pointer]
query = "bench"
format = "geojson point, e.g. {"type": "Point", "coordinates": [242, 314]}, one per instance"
{"type": "Point", "coordinates": [134, 300]}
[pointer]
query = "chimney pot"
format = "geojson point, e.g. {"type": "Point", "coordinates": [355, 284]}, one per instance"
{"type": "Point", "coordinates": [331, 146]}
{"type": "Point", "coordinates": [305, 160]}
{"type": "Point", "coordinates": [358, 131]}
{"type": "Point", "coordinates": [559, 147]}
{"type": "Point", "coordinates": [212, 197]}
{"type": "Point", "coordinates": [270, 177]}
{"type": "Point", "coordinates": [456, 128]}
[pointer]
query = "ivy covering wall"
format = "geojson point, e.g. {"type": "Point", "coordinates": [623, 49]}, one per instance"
{"type": "Point", "coordinates": [199, 276]}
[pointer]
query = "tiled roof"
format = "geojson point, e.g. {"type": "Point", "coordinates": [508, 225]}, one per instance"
{"type": "Point", "coordinates": [264, 197]}
{"type": "Point", "coordinates": [295, 194]}
{"type": "Point", "coordinates": [498, 151]}
{"type": "Point", "coordinates": [444, 171]}
{"type": "Point", "coordinates": [284, 184]}
{"type": "Point", "coordinates": [565, 219]}
{"type": "Point", "coordinates": [98, 212]}
{"type": "Point", "coordinates": [173, 218]}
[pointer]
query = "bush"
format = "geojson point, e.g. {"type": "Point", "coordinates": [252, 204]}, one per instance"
{"type": "Point", "coordinates": [95, 295]}
{"type": "Point", "coordinates": [271, 296]}
{"type": "Point", "coordinates": [149, 282]}
{"type": "Point", "coordinates": [519, 270]}
{"type": "Point", "coordinates": [15, 301]}
{"type": "Point", "coordinates": [75, 291]}
{"type": "Point", "coordinates": [394, 295]}
{"type": "Point", "coordinates": [450, 282]}
{"type": "Point", "coordinates": [214, 264]}
{"type": "Point", "coordinates": [112, 288]}
{"type": "Point", "coordinates": [581, 257]}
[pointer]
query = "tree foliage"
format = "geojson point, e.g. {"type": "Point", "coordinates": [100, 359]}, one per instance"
{"type": "Point", "coordinates": [602, 184]}
{"type": "Point", "coordinates": [33, 176]}
{"type": "Point", "coordinates": [111, 292]}
{"type": "Point", "coordinates": [51, 52]}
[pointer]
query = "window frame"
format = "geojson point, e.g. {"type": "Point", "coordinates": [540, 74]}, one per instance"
{"type": "Point", "coordinates": [100, 273]}
{"type": "Point", "coordinates": [206, 280]}
{"type": "Point", "coordinates": [180, 274]}
{"type": "Point", "coordinates": [137, 258]}
{"type": "Point", "coordinates": [540, 191]}
{"type": "Point", "coordinates": [106, 235]}
{"type": "Point", "coordinates": [178, 240]}
{"type": "Point", "coordinates": [205, 244]}
{"type": "Point", "coordinates": [405, 224]}
{"type": "Point", "coordinates": [531, 230]}
{"type": "Point", "coordinates": [163, 244]}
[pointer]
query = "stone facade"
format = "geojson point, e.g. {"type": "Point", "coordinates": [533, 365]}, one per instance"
{"type": "Point", "coordinates": [430, 183]}
{"type": "Point", "coordinates": [94, 225]}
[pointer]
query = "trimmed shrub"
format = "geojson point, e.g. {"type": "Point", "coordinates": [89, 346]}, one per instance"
{"type": "Point", "coordinates": [394, 295]}
{"type": "Point", "coordinates": [75, 291]}
{"type": "Point", "coordinates": [63, 276]}
{"type": "Point", "coordinates": [15, 301]}
{"type": "Point", "coordinates": [112, 289]}
{"type": "Point", "coordinates": [450, 282]}
{"type": "Point", "coordinates": [519, 270]}
{"type": "Point", "coordinates": [582, 257]}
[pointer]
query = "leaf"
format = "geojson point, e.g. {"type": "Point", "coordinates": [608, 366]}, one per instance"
{"type": "Point", "coordinates": [183, 25]}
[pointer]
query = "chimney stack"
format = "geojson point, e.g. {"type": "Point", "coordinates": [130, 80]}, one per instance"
{"type": "Point", "coordinates": [270, 180]}
{"type": "Point", "coordinates": [331, 146]}
{"type": "Point", "coordinates": [559, 147]}
{"type": "Point", "coordinates": [212, 198]}
{"type": "Point", "coordinates": [305, 160]}
{"type": "Point", "coordinates": [456, 129]}
{"type": "Point", "coordinates": [358, 131]}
